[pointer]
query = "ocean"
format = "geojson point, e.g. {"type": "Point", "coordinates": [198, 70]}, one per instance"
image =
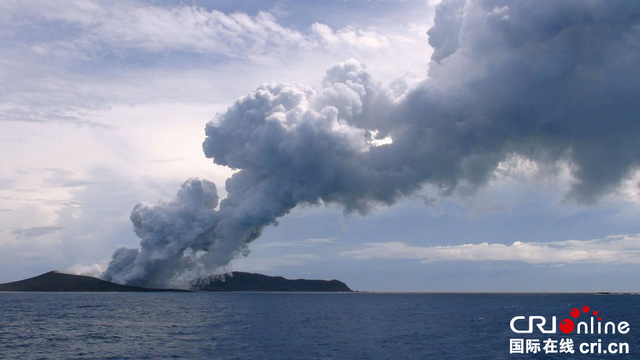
{"type": "Point", "coordinates": [307, 326]}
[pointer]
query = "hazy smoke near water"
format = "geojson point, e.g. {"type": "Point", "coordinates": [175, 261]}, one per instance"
{"type": "Point", "coordinates": [548, 81]}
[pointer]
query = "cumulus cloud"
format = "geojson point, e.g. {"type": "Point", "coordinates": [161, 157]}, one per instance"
{"type": "Point", "coordinates": [623, 249]}
{"type": "Point", "coordinates": [544, 81]}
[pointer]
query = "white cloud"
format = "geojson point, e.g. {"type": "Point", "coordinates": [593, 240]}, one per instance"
{"type": "Point", "coordinates": [349, 36]}
{"type": "Point", "coordinates": [63, 61]}
{"type": "Point", "coordinates": [194, 29]}
{"type": "Point", "coordinates": [612, 249]}
{"type": "Point", "coordinates": [98, 27]}
{"type": "Point", "coordinates": [293, 244]}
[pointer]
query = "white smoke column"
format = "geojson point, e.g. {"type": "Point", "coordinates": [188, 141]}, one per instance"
{"type": "Point", "coordinates": [548, 81]}
{"type": "Point", "coordinates": [166, 230]}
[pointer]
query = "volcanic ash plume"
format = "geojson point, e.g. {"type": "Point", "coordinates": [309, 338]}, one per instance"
{"type": "Point", "coordinates": [550, 81]}
{"type": "Point", "coordinates": [166, 230]}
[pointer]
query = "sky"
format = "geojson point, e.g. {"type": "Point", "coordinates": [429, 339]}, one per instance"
{"type": "Point", "coordinates": [394, 145]}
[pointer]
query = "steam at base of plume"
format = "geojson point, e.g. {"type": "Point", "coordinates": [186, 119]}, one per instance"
{"type": "Point", "coordinates": [166, 231]}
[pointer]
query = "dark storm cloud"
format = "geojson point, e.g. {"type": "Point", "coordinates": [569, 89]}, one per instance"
{"type": "Point", "coordinates": [549, 81]}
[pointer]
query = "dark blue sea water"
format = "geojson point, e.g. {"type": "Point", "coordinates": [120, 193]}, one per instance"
{"type": "Point", "coordinates": [291, 325]}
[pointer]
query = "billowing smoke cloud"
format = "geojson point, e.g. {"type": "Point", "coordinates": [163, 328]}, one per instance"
{"type": "Point", "coordinates": [166, 230]}
{"type": "Point", "coordinates": [551, 81]}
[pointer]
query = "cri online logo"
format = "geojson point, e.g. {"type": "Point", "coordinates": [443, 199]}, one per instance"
{"type": "Point", "coordinates": [567, 326]}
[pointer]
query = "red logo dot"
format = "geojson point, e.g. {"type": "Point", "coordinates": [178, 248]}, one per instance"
{"type": "Point", "coordinates": [585, 309]}
{"type": "Point", "coordinates": [575, 313]}
{"type": "Point", "coordinates": [595, 313]}
{"type": "Point", "coordinates": [566, 326]}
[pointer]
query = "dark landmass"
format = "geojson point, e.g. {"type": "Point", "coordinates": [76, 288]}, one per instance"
{"type": "Point", "coordinates": [57, 281]}
{"type": "Point", "coordinates": [242, 281]}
